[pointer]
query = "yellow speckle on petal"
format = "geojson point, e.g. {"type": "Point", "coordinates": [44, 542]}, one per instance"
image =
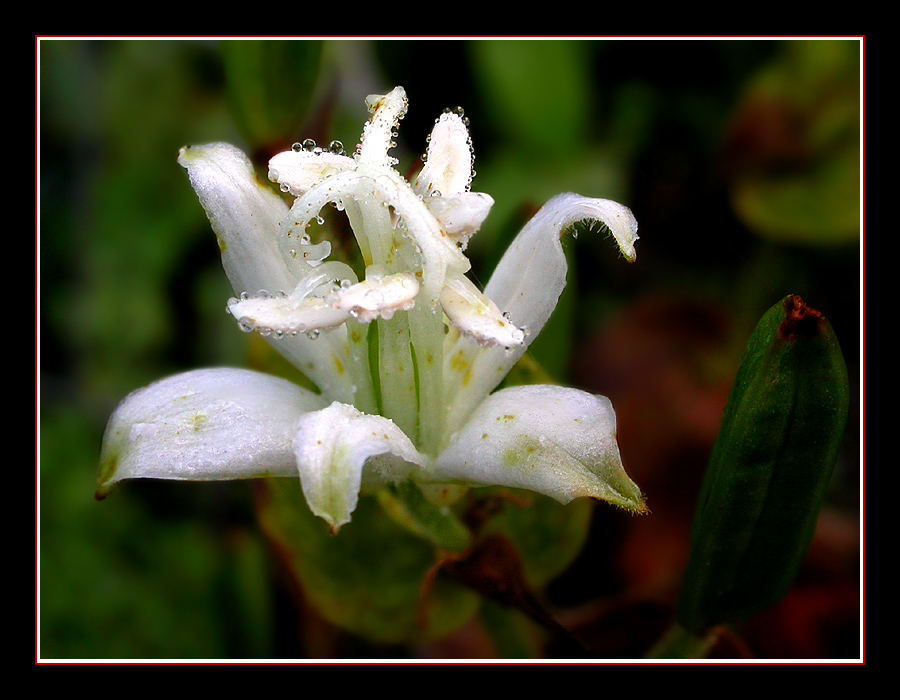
{"type": "Point", "coordinates": [460, 363]}
{"type": "Point", "coordinates": [198, 420]}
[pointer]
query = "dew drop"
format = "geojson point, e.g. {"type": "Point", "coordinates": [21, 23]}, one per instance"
{"type": "Point", "coordinates": [297, 147]}
{"type": "Point", "coordinates": [336, 147]}
{"type": "Point", "coordinates": [309, 145]}
{"type": "Point", "coordinates": [313, 334]}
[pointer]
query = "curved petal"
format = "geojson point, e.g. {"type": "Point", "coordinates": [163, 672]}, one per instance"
{"type": "Point", "coordinates": [209, 424]}
{"type": "Point", "coordinates": [526, 286]}
{"type": "Point", "coordinates": [340, 451]}
{"type": "Point", "coordinates": [553, 440]}
{"type": "Point", "coordinates": [246, 216]}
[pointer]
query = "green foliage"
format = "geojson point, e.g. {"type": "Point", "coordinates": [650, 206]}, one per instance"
{"type": "Point", "coordinates": [123, 579]}
{"type": "Point", "coordinates": [798, 131]}
{"type": "Point", "coordinates": [271, 86]}
{"type": "Point", "coordinates": [769, 471]}
{"type": "Point", "coordinates": [371, 577]}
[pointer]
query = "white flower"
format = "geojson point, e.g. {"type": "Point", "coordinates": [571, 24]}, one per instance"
{"type": "Point", "coordinates": [405, 360]}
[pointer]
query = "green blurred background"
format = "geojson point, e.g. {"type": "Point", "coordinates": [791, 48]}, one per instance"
{"type": "Point", "coordinates": [740, 159]}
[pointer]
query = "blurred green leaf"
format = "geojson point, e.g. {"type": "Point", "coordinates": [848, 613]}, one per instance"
{"type": "Point", "coordinates": [769, 471]}
{"type": "Point", "coordinates": [794, 146]}
{"type": "Point", "coordinates": [537, 91]}
{"type": "Point", "coordinates": [119, 581]}
{"type": "Point", "coordinates": [408, 506]}
{"type": "Point", "coordinates": [271, 86]}
{"type": "Point", "coordinates": [371, 577]}
{"type": "Point", "coordinates": [547, 535]}
{"type": "Point", "coordinates": [821, 207]}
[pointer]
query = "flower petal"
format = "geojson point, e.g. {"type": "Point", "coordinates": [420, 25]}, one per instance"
{"type": "Point", "coordinates": [245, 215]}
{"type": "Point", "coordinates": [526, 286]}
{"type": "Point", "coordinates": [340, 451]}
{"type": "Point", "coordinates": [210, 424]}
{"type": "Point", "coordinates": [532, 273]}
{"type": "Point", "coordinates": [553, 440]}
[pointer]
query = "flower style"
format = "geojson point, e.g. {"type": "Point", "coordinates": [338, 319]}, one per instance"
{"type": "Point", "coordinates": [405, 360]}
